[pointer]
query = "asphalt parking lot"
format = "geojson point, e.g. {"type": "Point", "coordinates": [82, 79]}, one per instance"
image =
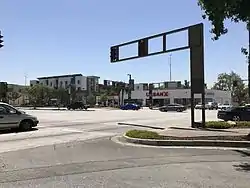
{"type": "Point", "coordinates": [64, 126]}
{"type": "Point", "coordinates": [146, 116]}
{"type": "Point", "coordinates": [74, 149]}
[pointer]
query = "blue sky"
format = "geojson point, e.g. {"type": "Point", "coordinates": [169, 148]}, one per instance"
{"type": "Point", "coordinates": [56, 37]}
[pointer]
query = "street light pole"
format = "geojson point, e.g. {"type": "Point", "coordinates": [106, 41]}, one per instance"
{"type": "Point", "coordinates": [170, 67]}
{"type": "Point", "coordinates": [129, 86]}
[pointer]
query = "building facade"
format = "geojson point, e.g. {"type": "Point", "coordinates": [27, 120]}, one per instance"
{"type": "Point", "coordinates": [84, 85]}
{"type": "Point", "coordinates": [175, 94]}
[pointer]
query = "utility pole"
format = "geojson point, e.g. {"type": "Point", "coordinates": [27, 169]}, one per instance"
{"type": "Point", "coordinates": [249, 62]}
{"type": "Point", "coordinates": [170, 67]}
{"type": "Point", "coordinates": [129, 87]}
{"type": "Point", "coordinates": [25, 79]}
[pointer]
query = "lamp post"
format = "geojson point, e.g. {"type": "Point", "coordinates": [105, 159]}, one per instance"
{"type": "Point", "coordinates": [170, 67]}
{"type": "Point", "coordinates": [129, 86]}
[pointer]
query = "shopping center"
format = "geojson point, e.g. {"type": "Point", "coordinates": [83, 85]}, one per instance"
{"type": "Point", "coordinates": [164, 96]}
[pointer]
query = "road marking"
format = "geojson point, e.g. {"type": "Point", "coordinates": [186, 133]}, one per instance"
{"type": "Point", "coordinates": [37, 133]}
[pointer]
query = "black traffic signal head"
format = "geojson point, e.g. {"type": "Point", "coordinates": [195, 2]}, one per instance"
{"type": "Point", "coordinates": [114, 54]}
{"type": "Point", "coordinates": [1, 40]}
{"type": "Point", "coordinates": [143, 47]}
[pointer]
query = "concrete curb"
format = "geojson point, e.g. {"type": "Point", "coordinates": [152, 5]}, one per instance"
{"type": "Point", "coordinates": [210, 143]}
{"type": "Point", "coordinates": [138, 125]}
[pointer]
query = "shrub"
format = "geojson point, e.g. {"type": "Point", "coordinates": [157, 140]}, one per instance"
{"type": "Point", "coordinates": [143, 134]}
{"type": "Point", "coordinates": [218, 125]}
{"type": "Point", "coordinates": [242, 124]}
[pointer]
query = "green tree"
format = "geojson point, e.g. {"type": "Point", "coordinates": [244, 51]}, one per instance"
{"type": "Point", "coordinates": [103, 97]}
{"type": "Point", "coordinates": [13, 95]}
{"type": "Point", "coordinates": [226, 82]}
{"type": "Point", "coordinates": [62, 95]}
{"type": "Point", "coordinates": [217, 11]}
{"type": "Point", "coordinates": [39, 94]}
{"type": "Point", "coordinates": [91, 100]}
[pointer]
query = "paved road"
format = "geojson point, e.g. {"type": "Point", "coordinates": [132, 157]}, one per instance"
{"type": "Point", "coordinates": [103, 163]}
{"type": "Point", "coordinates": [66, 126]}
{"type": "Point", "coordinates": [76, 151]}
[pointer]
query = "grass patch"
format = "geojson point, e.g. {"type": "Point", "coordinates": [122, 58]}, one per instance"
{"type": "Point", "coordinates": [218, 125]}
{"type": "Point", "coordinates": [242, 124]}
{"type": "Point", "coordinates": [143, 134]}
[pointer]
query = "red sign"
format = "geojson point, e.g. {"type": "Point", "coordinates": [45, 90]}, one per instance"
{"type": "Point", "coordinates": [156, 94]}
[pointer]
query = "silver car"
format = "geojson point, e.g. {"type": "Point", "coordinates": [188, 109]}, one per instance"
{"type": "Point", "coordinates": [12, 118]}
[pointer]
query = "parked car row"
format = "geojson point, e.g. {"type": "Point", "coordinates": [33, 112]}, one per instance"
{"type": "Point", "coordinates": [209, 106]}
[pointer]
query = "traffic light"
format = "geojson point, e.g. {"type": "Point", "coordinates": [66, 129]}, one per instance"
{"type": "Point", "coordinates": [235, 83]}
{"type": "Point", "coordinates": [114, 54]}
{"type": "Point", "coordinates": [1, 40]}
{"type": "Point", "coordinates": [143, 48]}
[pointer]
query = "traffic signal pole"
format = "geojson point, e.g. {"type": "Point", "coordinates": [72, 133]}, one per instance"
{"type": "Point", "coordinates": [196, 46]}
{"type": "Point", "coordinates": [249, 63]}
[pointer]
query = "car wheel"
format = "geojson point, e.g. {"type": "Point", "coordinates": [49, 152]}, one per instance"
{"type": "Point", "coordinates": [26, 125]}
{"type": "Point", "coordinates": [236, 118]}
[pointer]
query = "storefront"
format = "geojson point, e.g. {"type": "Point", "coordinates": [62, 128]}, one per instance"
{"type": "Point", "coordinates": [180, 96]}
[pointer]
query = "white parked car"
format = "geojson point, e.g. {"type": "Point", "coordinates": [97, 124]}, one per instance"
{"type": "Point", "coordinates": [12, 118]}
{"type": "Point", "coordinates": [224, 106]}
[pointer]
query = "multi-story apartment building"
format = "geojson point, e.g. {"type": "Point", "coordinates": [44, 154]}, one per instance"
{"type": "Point", "coordinates": [63, 81]}
{"type": "Point", "coordinates": [86, 85]}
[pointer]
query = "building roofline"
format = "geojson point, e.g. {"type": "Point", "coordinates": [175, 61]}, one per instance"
{"type": "Point", "coordinates": [61, 76]}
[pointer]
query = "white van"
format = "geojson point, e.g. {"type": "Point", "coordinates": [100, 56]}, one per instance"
{"type": "Point", "coordinates": [12, 118]}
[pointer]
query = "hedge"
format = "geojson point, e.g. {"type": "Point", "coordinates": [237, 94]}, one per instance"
{"type": "Point", "coordinates": [143, 134]}
{"type": "Point", "coordinates": [227, 125]}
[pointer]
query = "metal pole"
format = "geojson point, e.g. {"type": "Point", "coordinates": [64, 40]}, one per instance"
{"type": "Point", "coordinates": [25, 79]}
{"type": "Point", "coordinates": [170, 67]}
{"type": "Point", "coordinates": [129, 87]}
{"type": "Point", "coordinates": [248, 61]}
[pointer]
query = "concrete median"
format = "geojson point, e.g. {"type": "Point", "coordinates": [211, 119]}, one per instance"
{"type": "Point", "coordinates": [195, 143]}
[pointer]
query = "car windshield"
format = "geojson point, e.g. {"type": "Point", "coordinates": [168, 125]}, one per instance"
{"type": "Point", "coordinates": [10, 109]}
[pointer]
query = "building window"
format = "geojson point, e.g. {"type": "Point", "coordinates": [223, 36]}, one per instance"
{"type": "Point", "coordinates": [51, 84]}
{"type": "Point", "coordinates": [138, 87]}
{"type": "Point", "coordinates": [78, 82]}
{"type": "Point", "coordinates": [31, 85]}
{"type": "Point", "coordinates": [79, 89]}
{"type": "Point", "coordinates": [66, 83]}
{"type": "Point", "coordinates": [61, 83]}
{"type": "Point", "coordinates": [47, 82]}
